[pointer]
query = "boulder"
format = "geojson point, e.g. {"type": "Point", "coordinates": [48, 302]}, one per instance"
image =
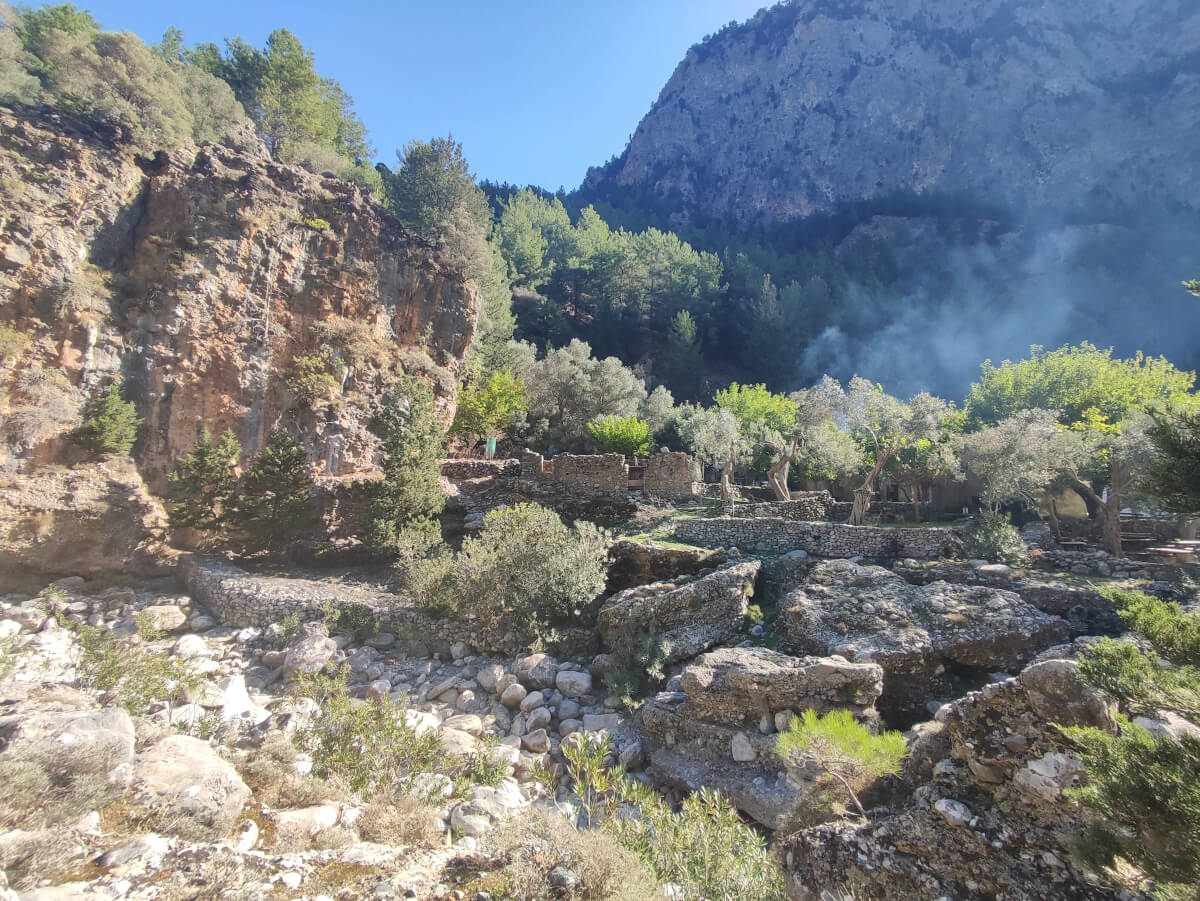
{"type": "Point", "coordinates": [994, 768]}
{"type": "Point", "coordinates": [186, 789]}
{"type": "Point", "coordinates": [536, 671]}
{"type": "Point", "coordinates": [931, 640]}
{"type": "Point", "coordinates": [687, 618]}
{"type": "Point", "coordinates": [310, 654]}
{"type": "Point", "coordinates": [737, 686]}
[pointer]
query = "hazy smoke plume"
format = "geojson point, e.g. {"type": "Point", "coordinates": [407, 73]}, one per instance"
{"type": "Point", "coordinates": [1111, 285]}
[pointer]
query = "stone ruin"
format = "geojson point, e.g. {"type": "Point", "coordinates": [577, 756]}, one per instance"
{"type": "Point", "coordinates": [666, 475]}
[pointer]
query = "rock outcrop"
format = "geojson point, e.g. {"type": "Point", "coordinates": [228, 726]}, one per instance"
{"type": "Point", "coordinates": [810, 105]}
{"type": "Point", "coordinates": [923, 636]}
{"type": "Point", "coordinates": [687, 616]}
{"type": "Point", "coordinates": [993, 821]}
{"type": "Point", "coordinates": [90, 519]}
{"type": "Point", "coordinates": [718, 731]}
{"type": "Point", "coordinates": [206, 277]}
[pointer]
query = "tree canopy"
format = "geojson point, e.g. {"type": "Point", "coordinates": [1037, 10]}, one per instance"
{"type": "Point", "coordinates": [1082, 383]}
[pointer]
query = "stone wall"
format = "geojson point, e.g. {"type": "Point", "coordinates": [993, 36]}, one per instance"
{"type": "Point", "coordinates": [457, 470]}
{"type": "Point", "coordinates": [668, 476]}
{"type": "Point", "coordinates": [805, 506]}
{"type": "Point", "coordinates": [594, 475]}
{"type": "Point", "coordinates": [240, 598]}
{"type": "Point", "coordinates": [822, 539]}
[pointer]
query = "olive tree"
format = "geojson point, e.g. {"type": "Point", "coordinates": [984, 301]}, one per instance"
{"type": "Point", "coordinates": [882, 424]}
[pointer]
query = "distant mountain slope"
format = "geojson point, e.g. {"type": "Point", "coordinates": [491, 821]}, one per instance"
{"type": "Point", "coordinates": [1079, 108]}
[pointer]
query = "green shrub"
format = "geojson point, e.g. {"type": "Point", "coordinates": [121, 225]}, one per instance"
{"type": "Point", "coordinates": [637, 661]}
{"type": "Point", "coordinates": [845, 750]}
{"type": "Point", "coordinates": [12, 343]}
{"type": "Point", "coordinates": [317, 377]}
{"type": "Point", "coordinates": [130, 675]}
{"type": "Point", "coordinates": [316, 224]}
{"type": "Point", "coordinates": [366, 745]}
{"type": "Point", "coordinates": [704, 848]}
{"type": "Point", "coordinates": [626, 435]}
{"type": "Point", "coordinates": [525, 567]}
{"type": "Point", "coordinates": [995, 538]}
{"type": "Point", "coordinates": [1146, 788]}
{"type": "Point", "coordinates": [1173, 631]}
{"type": "Point", "coordinates": [111, 425]}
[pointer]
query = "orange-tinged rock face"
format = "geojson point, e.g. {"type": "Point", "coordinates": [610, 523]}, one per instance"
{"type": "Point", "coordinates": [204, 281]}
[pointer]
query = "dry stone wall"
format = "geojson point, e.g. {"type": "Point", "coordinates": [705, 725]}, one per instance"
{"type": "Point", "coordinates": [669, 477]}
{"type": "Point", "coordinates": [805, 506]}
{"type": "Point", "coordinates": [593, 475]}
{"type": "Point", "coordinates": [240, 598]}
{"type": "Point", "coordinates": [825, 539]}
{"type": "Point", "coordinates": [457, 470]}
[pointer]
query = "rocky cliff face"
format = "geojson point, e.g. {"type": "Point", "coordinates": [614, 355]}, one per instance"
{"type": "Point", "coordinates": [814, 103]}
{"type": "Point", "coordinates": [208, 278]}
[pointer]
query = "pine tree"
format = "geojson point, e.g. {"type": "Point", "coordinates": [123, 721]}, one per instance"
{"type": "Point", "coordinates": [683, 363]}
{"type": "Point", "coordinates": [407, 500]}
{"type": "Point", "coordinates": [112, 426]}
{"type": "Point", "coordinates": [273, 500]}
{"type": "Point", "coordinates": [205, 483]}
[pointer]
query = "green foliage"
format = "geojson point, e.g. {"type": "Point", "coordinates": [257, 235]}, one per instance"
{"type": "Point", "coordinates": [637, 661]}
{"type": "Point", "coordinates": [683, 359]}
{"type": "Point", "coordinates": [490, 407]}
{"type": "Point", "coordinates": [1143, 682]}
{"type": "Point", "coordinates": [994, 538]}
{"type": "Point", "coordinates": [1150, 789]}
{"type": "Point", "coordinates": [152, 100]}
{"type": "Point", "coordinates": [273, 500]}
{"type": "Point", "coordinates": [434, 194]}
{"type": "Point", "coordinates": [204, 483]}
{"type": "Point", "coordinates": [755, 404]}
{"type": "Point", "coordinates": [568, 389]}
{"type": "Point", "coordinates": [112, 424]}
{"type": "Point", "coordinates": [1146, 788]}
{"type": "Point", "coordinates": [626, 435]}
{"type": "Point", "coordinates": [367, 746]}
{"type": "Point", "coordinates": [1081, 383]}
{"type": "Point", "coordinates": [404, 504]}
{"type": "Point", "coordinates": [130, 675]}
{"type": "Point", "coordinates": [704, 848]}
{"type": "Point", "coordinates": [525, 568]}
{"type": "Point", "coordinates": [1173, 631]}
{"type": "Point", "coordinates": [316, 224]}
{"type": "Point", "coordinates": [1173, 475]}
{"type": "Point", "coordinates": [1013, 460]}
{"type": "Point", "coordinates": [12, 343]}
{"type": "Point", "coordinates": [303, 117]}
{"type": "Point", "coordinates": [317, 377]}
{"type": "Point", "coordinates": [1192, 286]}
{"type": "Point", "coordinates": [844, 749]}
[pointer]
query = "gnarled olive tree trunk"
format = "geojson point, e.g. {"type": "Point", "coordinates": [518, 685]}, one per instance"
{"type": "Point", "coordinates": [864, 492]}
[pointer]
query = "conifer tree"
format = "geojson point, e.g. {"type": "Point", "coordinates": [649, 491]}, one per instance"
{"type": "Point", "coordinates": [273, 500]}
{"type": "Point", "coordinates": [112, 426]}
{"type": "Point", "coordinates": [205, 483]}
{"type": "Point", "coordinates": [406, 502]}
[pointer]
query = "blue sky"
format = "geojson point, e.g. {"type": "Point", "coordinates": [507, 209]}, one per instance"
{"type": "Point", "coordinates": [536, 91]}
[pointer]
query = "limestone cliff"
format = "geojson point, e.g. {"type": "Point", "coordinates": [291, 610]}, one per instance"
{"type": "Point", "coordinates": [208, 278]}
{"type": "Point", "coordinates": [1063, 106]}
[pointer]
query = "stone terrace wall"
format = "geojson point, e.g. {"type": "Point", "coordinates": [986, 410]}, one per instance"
{"type": "Point", "coordinates": [822, 539]}
{"type": "Point", "coordinates": [805, 506]}
{"type": "Point", "coordinates": [239, 598]}
{"type": "Point", "coordinates": [456, 470]}
{"type": "Point", "coordinates": [669, 477]}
